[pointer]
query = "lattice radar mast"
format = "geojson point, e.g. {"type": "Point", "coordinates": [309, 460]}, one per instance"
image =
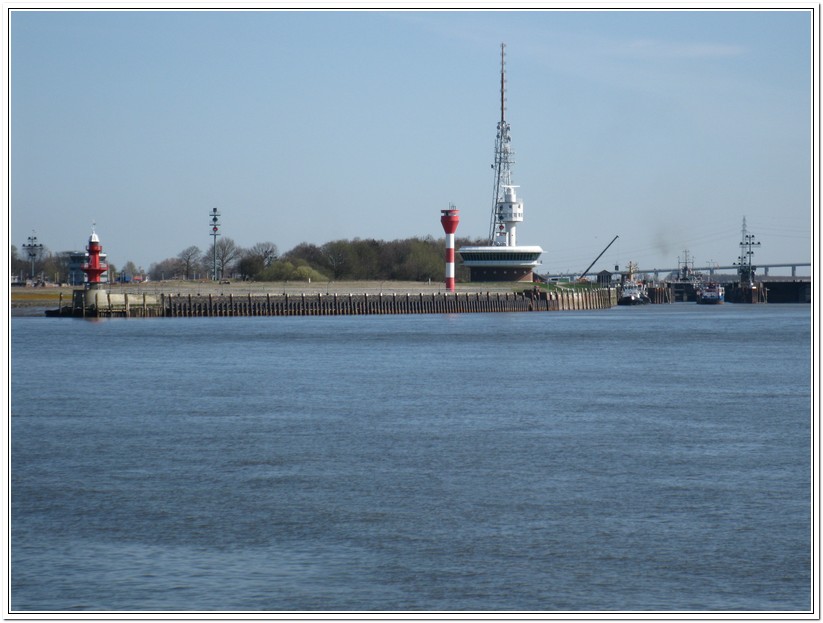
{"type": "Point", "coordinates": [507, 210]}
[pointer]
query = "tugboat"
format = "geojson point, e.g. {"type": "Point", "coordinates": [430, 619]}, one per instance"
{"type": "Point", "coordinates": [710, 293]}
{"type": "Point", "coordinates": [633, 292]}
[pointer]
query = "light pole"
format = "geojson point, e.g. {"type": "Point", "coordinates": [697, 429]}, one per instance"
{"type": "Point", "coordinates": [33, 250]}
{"type": "Point", "coordinates": [215, 226]}
{"type": "Point", "coordinates": [744, 262]}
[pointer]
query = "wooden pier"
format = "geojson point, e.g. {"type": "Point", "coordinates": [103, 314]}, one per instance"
{"type": "Point", "coordinates": [318, 304]}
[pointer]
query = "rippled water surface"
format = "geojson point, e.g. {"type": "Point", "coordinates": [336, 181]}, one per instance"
{"type": "Point", "coordinates": [631, 459]}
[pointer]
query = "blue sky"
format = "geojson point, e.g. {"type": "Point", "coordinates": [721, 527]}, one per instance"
{"type": "Point", "coordinates": [663, 127]}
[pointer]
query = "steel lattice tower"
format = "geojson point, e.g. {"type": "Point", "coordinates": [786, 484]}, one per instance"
{"type": "Point", "coordinates": [503, 154]}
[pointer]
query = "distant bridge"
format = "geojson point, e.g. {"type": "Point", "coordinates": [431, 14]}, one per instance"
{"type": "Point", "coordinates": [709, 269]}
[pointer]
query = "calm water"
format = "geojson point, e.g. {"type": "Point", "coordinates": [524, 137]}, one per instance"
{"type": "Point", "coordinates": [631, 459]}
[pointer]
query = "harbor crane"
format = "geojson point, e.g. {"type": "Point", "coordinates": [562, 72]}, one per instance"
{"type": "Point", "coordinates": [589, 267]}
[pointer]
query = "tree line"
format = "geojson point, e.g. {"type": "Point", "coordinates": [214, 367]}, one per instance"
{"type": "Point", "coordinates": [48, 266]}
{"type": "Point", "coordinates": [410, 259]}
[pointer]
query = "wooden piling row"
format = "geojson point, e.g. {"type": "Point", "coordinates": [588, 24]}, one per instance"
{"type": "Point", "coordinates": [365, 304]}
{"type": "Point", "coordinates": [659, 294]}
{"type": "Point", "coordinates": [197, 305]}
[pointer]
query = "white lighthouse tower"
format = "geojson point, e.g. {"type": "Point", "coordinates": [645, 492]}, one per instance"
{"type": "Point", "coordinates": [503, 259]}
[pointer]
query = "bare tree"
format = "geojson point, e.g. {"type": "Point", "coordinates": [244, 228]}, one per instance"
{"type": "Point", "coordinates": [129, 269]}
{"type": "Point", "coordinates": [266, 251]}
{"type": "Point", "coordinates": [189, 257]}
{"type": "Point", "coordinates": [170, 268]}
{"type": "Point", "coordinates": [226, 251]}
{"type": "Point", "coordinates": [56, 265]}
{"type": "Point", "coordinates": [335, 256]}
{"type": "Point", "coordinates": [17, 263]}
{"type": "Point", "coordinates": [256, 259]}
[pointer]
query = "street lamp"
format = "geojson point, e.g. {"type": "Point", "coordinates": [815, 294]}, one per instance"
{"type": "Point", "coordinates": [33, 250]}
{"type": "Point", "coordinates": [215, 226]}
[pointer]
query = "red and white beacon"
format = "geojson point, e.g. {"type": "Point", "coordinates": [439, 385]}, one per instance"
{"type": "Point", "coordinates": [449, 219]}
{"type": "Point", "coordinates": [94, 267]}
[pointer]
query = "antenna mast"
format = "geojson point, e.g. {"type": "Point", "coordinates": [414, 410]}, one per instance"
{"type": "Point", "coordinates": [502, 150]}
{"type": "Point", "coordinates": [502, 83]}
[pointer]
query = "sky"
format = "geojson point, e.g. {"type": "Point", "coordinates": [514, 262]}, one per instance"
{"type": "Point", "coordinates": [665, 128]}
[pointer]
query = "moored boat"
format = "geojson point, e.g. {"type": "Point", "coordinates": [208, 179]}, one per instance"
{"type": "Point", "coordinates": [633, 293]}
{"type": "Point", "coordinates": [710, 294]}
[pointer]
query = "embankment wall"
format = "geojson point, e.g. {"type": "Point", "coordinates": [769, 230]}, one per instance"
{"type": "Point", "coordinates": [318, 304]}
